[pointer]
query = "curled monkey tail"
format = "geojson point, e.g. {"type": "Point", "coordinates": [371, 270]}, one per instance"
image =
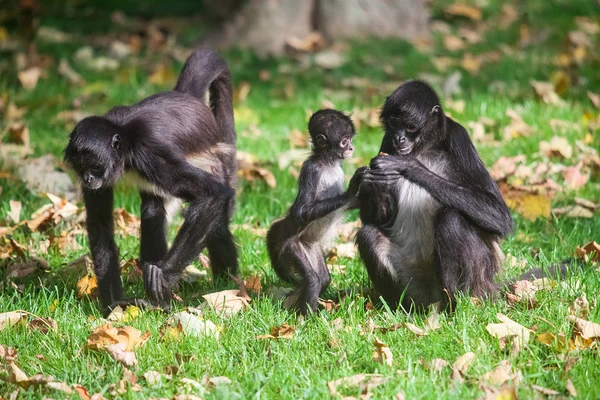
{"type": "Point", "coordinates": [206, 71]}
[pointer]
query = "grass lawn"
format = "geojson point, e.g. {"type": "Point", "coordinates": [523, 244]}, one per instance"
{"type": "Point", "coordinates": [328, 345]}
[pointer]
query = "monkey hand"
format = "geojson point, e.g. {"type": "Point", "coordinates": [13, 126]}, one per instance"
{"type": "Point", "coordinates": [394, 165]}
{"type": "Point", "coordinates": [356, 180]}
{"type": "Point", "coordinates": [156, 285]}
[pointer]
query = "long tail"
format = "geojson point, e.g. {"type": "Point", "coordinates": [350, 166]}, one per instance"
{"type": "Point", "coordinates": [558, 270]}
{"type": "Point", "coordinates": [203, 71]}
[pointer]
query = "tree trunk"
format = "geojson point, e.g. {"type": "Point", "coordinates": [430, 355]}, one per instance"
{"type": "Point", "coordinates": [363, 18]}
{"type": "Point", "coordinates": [265, 25]}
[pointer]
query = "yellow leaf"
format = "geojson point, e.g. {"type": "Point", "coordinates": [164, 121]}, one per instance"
{"type": "Point", "coordinates": [87, 286]}
{"type": "Point", "coordinates": [530, 206]}
{"type": "Point", "coordinates": [464, 10]}
{"type": "Point", "coordinates": [162, 75]}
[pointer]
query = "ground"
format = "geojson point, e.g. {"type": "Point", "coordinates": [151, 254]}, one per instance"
{"type": "Point", "coordinates": [497, 59]}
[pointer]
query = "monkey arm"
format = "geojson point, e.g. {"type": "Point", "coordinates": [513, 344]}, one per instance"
{"type": "Point", "coordinates": [306, 212]}
{"type": "Point", "coordinates": [105, 254]}
{"type": "Point", "coordinates": [483, 208]}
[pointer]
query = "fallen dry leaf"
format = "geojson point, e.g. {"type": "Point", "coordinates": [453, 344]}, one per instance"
{"type": "Point", "coordinates": [571, 388]}
{"type": "Point", "coordinates": [557, 147]}
{"type": "Point", "coordinates": [119, 315]}
{"type": "Point", "coordinates": [152, 377]}
{"type": "Point", "coordinates": [463, 10]}
{"type": "Point", "coordinates": [11, 318]}
{"type": "Point", "coordinates": [530, 206]}
{"type": "Point", "coordinates": [575, 211]}
{"type": "Point", "coordinates": [589, 251]}
{"type": "Point", "coordinates": [500, 375]}
{"type": "Point", "coordinates": [505, 167]}
{"type": "Point", "coordinates": [517, 126]}
{"type": "Point", "coordinates": [574, 177]}
{"type": "Point", "coordinates": [253, 284]}
{"type": "Point", "coordinates": [29, 77]}
{"type": "Point", "coordinates": [43, 325]}
{"type": "Point", "coordinates": [415, 329]}
{"type": "Point", "coordinates": [382, 353]}
{"type": "Point", "coordinates": [88, 286]}
{"type": "Point", "coordinates": [14, 213]}
{"type": "Point", "coordinates": [191, 325]}
{"type": "Point", "coordinates": [438, 364]}
{"type": "Point", "coordinates": [119, 353]}
{"type": "Point", "coordinates": [543, 390]}
{"type": "Point", "coordinates": [508, 329]}
{"type": "Point", "coordinates": [365, 382]}
{"type": "Point", "coordinates": [580, 307]}
{"type": "Point", "coordinates": [65, 70]}
{"type": "Point", "coordinates": [560, 343]}
{"type": "Point", "coordinates": [227, 302]}
{"type": "Point", "coordinates": [586, 329]}
{"type": "Point", "coordinates": [106, 335]}
{"type": "Point", "coordinates": [284, 331]}
{"type": "Point", "coordinates": [463, 362]}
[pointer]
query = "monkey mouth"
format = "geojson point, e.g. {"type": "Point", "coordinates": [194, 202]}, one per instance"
{"type": "Point", "coordinates": [95, 185]}
{"type": "Point", "coordinates": [347, 153]}
{"type": "Point", "coordinates": [404, 150]}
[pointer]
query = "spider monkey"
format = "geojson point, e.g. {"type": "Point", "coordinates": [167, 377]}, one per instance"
{"type": "Point", "coordinates": [297, 242]}
{"type": "Point", "coordinates": [174, 147]}
{"type": "Point", "coordinates": [432, 214]}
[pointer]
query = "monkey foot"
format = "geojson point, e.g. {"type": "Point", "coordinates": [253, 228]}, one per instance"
{"type": "Point", "coordinates": [156, 285]}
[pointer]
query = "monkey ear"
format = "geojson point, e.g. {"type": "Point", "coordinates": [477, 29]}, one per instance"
{"type": "Point", "coordinates": [321, 141]}
{"type": "Point", "coordinates": [116, 142]}
{"type": "Point", "coordinates": [435, 110]}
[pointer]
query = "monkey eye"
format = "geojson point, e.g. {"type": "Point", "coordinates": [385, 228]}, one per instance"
{"type": "Point", "coordinates": [410, 129]}
{"type": "Point", "coordinates": [395, 123]}
{"type": "Point", "coordinates": [345, 142]}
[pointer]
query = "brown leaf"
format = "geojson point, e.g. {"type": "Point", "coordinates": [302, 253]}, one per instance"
{"type": "Point", "coordinates": [438, 364]}
{"type": "Point", "coordinates": [382, 353]}
{"type": "Point", "coordinates": [227, 302]}
{"type": "Point", "coordinates": [119, 353]}
{"type": "Point", "coordinates": [14, 214]}
{"type": "Point", "coordinates": [65, 70]}
{"type": "Point", "coordinates": [574, 178]}
{"type": "Point", "coordinates": [415, 329]}
{"type": "Point", "coordinates": [586, 329]}
{"type": "Point", "coordinates": [44, 325]}
{"type": "Point", "coordinates": [499, 375]}
{"type": "Point", "coordinates": [29, 77]}
{"type": "Point", "coordinates": [106, 335]}
{"type": "Point", "coordinates": [571, 388]}
{"type": "Point", "coordinates": [508, 328]}
{"type": "Point", "coordinates": [241, 287]}
{"type": "Point", "coordinates": [517, 126]}
{"type": "Point", "coordinates": [18, 133]}
{"type": "Point", "coordinates": [127, 224]}
{"type": "Point", "coordinates": [575, 211]}
{"type": "Point", "coordinates": [580, 307]}
{"type": "Point", "coordinates": [88, 286]}
{"type": "Point", "coordinates": [253, 284]}
{"type": "Point", "coordinates": [557, 147]}
{"type": "Point", "coordinates": [284, 331]}
{"type": "Point", "coordinates": [595, 98]}
{"type": "Point", "coordinates": [10, 318]}
{"type": "Point", "coordinates": [463, 10]}
{"type": "Point", "coordinates": [463, 362]}
{"type": "Point", "coordinates": [366, 383]}
{"type": "Point", "coordinates": [505, 167]}
{"type": "Point", "coordinates": [310, 43]}
{"type": "Point", "coordinates": [590, 250]}
{"type": "Point", "coordinates": [453, 43]}
{"type": "Point", "coordinates": [543, 390]}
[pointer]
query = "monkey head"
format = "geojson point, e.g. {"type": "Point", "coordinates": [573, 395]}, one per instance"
{"type": "Point", "coordinates": [331, 133]}
{"type": "Point", "coordinates": [94, 152]}
{"type": "Point", "coordinates": [412, 119]}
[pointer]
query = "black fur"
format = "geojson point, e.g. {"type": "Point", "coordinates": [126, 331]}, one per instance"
{"type": "Point", "coordinates": [432, 214]}
{"type": "Point", "coordinates": [177, 147]}
{"type": "Point", "coordinates": [297, 242]}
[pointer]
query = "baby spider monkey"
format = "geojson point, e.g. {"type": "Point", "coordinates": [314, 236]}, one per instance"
{"type": "Point", "coordinates": [297, 242]}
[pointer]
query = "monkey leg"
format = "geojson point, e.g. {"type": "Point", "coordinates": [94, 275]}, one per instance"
{"type": "Point", "coordinates": [465, 261]}
{"type": "Point", "coordinates": [153, 242]}
{"type": "Point", "coordinates": [202, 219]}
{"type": "Point", "coordinates": [374, 249]}
{"type": "Point", "coordinates": [313, 275]}
{"type": "Point", "coordinates": [222, 252]}
{"type": "Point", "coordinates": [276, 238]}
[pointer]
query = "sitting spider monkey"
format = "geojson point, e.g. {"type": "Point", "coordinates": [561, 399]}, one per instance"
{"type": "Point", "coordinates": [433, 216]}
{"type": "Point", "coordinates": [174, 147]}
{"type": "Point", "coordinates": [297, 242]}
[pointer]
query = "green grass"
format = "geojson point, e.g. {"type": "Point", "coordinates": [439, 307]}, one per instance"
{"type": "Point", "coordinates": [301, 367]}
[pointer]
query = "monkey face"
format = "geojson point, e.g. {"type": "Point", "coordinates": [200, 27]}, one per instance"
{"type": "Point", "coordinates": [94, 153]}
{"type": "Point", "coordinates": [346, 147]}
{"type": "Point", "coordinates": [404, 135]}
